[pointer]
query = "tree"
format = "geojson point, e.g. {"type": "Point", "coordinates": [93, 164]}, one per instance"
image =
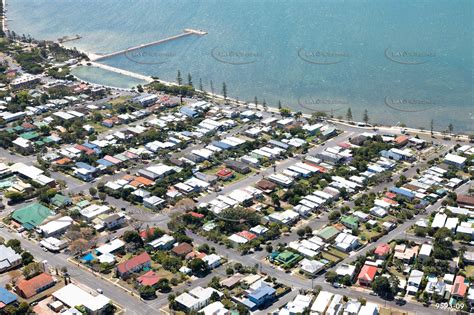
{"type": "Point", "coordinates": [200, 85]}
{"type": "Point", "coordinates": [431, 127]}
{"type": "Point", "coordinates": [269, 248]}
{"type": "Point", "coordinates": [301, 232]}
{"type": "Point", "coordinates": [32, 269]}
{"type": "Point", "coordinates": [349, 114]}
{"type": "Point", "coordinates": [163, 285]}
{"type": "Point", "coordinates": [27, 258]}
{"type": "Point", "coordinates": [15, 245]}
{"type": "Point", "coordinates": [140, 88]}
{"type": "Point", "coordinates": [179, 80]}
{"type": "Point", "coordinates": [198, 266]}
{"type": "Point", "coordinates": [279, 105]}
{"type": "Point", "coordinates": [334, 215]}
{"type": "Point", "coordinates": [366, 116]}
{"type": "Point", "coordinates": [255, 100]}
{"type": "Point", "coordinates": [204, 248]}
{"type": "Point", "coordinates": [190, 79]}
{"type": "Point", "coordinates": [331, 276]}
{"type": "Point", "coordinates": [102, 196]}
{"type": "Point", "coordinates": [224, 90]}
{"type": "Point", "coordinates": [285, 112]}
{"type": "Point", "coordinates": [212, 87]}
{"type": "Point", "coordinates": [132, 236]}
{"type": "Point", "coordinates": [381, 286]}
{"type": "Point", "coordinates": [147, 292]}
{"type": "Point", "coordinates": [450, 128]}
{"type": "Point", "coordinates": [214, 283]}
{"type": "Point", "coordinates": [92, 191]}
{"type": "Point", "coordinates": [78, 246]}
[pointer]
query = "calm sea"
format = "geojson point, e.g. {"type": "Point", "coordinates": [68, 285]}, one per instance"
{"type": "Point", "coordinates": [404, 61]}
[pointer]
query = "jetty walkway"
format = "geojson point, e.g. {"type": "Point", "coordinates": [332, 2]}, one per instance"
{"type": "Point", "coordinates": [186, 32]}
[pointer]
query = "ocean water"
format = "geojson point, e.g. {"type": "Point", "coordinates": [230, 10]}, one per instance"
{"type": "Point", "coordinates": [405, 61]}
{"type": "Point", "coordinates": [104, 77]}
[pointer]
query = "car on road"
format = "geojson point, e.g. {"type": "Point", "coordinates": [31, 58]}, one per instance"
{"type": "Point", "coordinates": [373, 293]}
{"type": "Point", "coordinates": [100, 291]}
{"type": "Point", "coordinates": [337, 285]}
{"type": "Point", "coordinates": [400, 302]}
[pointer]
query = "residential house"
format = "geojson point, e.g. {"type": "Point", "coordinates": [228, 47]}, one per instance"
{"type": "Point", "coordinates": [73, 296]}
{"type": "Point", "coordinates": [367, 275]}
{"type": "Point", "coordinates": [414, 281]}
{"type": "Point", "coordinates": [405, 254]}
{"type": "Point", "coordinates": [182, 249]}
{"type": "Point", "coordinates": [6, 298]}
{"type": "Point", "coordinates": [382, 251]}
{"type": "Point", "coordinates": [259, 297]}
{"type": "Point", "coordinates": [134, 264]}
{"type": "Point", "coordinates": [31, 287]}
{"type": "Point", "coordinates": [8, 258]}
{"type": "Point", "coordinates": [459, 287]}
{"type": "Point", "coordinates": [195, 299]}
{"type": "Point", "coordinates": [213, 260]}
{"type": "Point", "coordinates": [149, 278]}
{"type": "Point", "coordinates": [164, 242]}
{"type": "Point", "coordinates": [425, 252]}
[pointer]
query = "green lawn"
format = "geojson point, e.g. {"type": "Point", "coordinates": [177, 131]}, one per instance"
{"type": "Point", "coordinates": [119, 100]}
{"type": "Point", "coordinates": [469, 271]}
{"type": "Point", "coordinates": [337, 253]}
{"type": "Point", "coordinates": [330, 257]}
{"type": "Point", "coordinates": [236, 178]}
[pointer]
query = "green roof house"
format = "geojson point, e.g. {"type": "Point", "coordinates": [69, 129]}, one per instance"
{"type": "Point", "coordinates": [328, 233]}
{"type": "Point", "coordinates": [350, 221]}
{"type": "Point", "coordinates": [288, 259]}
{"type": "Point", "coordinates": [32, 215]}
{"type": "Point", "coordinates": [60, 200]}
{"type": "Point", "coordinates": [31, 135]}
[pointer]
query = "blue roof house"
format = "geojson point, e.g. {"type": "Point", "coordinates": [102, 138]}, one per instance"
{"type": "Point", "coordinates": [6, 298]}
{"type": "Point", "coordinates": [259, 297]}
{"type": "Point", "coordinates": [188, 111]}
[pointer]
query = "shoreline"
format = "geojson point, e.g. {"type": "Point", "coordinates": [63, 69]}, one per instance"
{"type": "Point", "coordinates": [234, 101]}
{"type": "Point", "coordinates": [259, 107]}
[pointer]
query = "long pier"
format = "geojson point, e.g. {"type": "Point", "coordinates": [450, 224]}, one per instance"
{"type": "Point", "coordinates": [186, 32]}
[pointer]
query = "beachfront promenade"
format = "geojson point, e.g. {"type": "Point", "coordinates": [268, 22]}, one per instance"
{"type": "Point", "coordinates": [186, 32]}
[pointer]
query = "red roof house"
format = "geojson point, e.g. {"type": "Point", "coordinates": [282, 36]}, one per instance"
{"type": "Point", "coordinates": [196, 215]}
{"type": "Point", "coordinates": [147, 232]}
{"type": "Point", "coordinates": [35, 285]}
{"type": "Point", "coordinates": [149, 278]}
{"type": "Point", "coordinates": [465, 200]}
{"type": "Point", "coordinates": [182, 249]}
{"type": "Point", "coordinates": [401, 140]}
{"type": "Point", "coordinates": [382, 250]}
{"type": "Point", "coordinates": [247, 235]}
{"type": "Point", "coordinates": [367, 275]}
{"type": "Point", "coordinates": [390, 195]}
{"type": "Point", "coordinates": [225, 174]}
{"type": "Point", "coordinates": [134, 264]}
{"type": "Point", "coordinates": [459, 287]}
